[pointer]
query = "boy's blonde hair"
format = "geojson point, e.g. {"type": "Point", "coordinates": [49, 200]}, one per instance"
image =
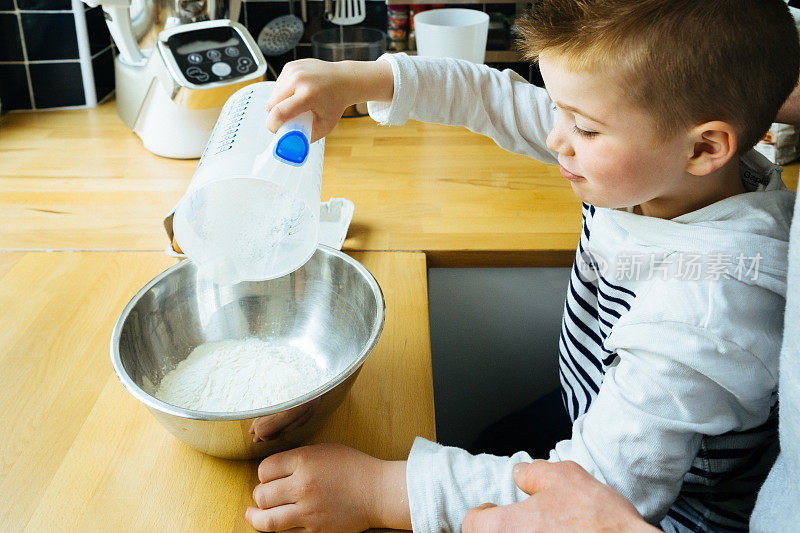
{"type": "Point", "coordinates": [685, 62]}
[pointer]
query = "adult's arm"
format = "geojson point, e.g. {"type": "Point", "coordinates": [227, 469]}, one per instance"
{"type": "Point", "coordinates": [565, 498]}
{"type": "Point", "coordinates": [790, 111]}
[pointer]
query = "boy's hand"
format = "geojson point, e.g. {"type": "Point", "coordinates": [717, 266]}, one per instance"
{"type": "Point", "coordinates": [326, 88]}
{"type": "Point", "coordinates": [324, 487]}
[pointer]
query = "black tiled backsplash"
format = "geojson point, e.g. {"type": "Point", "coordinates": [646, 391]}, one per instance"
{"type": "Point", "coordinates": [39, 55]}
{"type": "Point", "coordinates": [50, 36]}
{"type": "Point", "coordinates": [258, 14]}
{"type": "Point", "coordinates": [48, 46]}
{"type": "Point", "coordinates": [10, 42]}
{"type": "Point", "coordinates": [99, 38]}
{"type": "Point", "coordinates": [14, 89]}
{"type": "Point", "coordinates": [103, 67]}
{"type": "Point", "coordinates": [57, 84]}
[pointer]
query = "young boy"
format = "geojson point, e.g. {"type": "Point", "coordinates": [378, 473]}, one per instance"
{"type": "Point", "coordinates": [673, 317]}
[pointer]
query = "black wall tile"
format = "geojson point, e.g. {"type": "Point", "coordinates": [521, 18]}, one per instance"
{"type": "Point", "coordinates": [51, 5]}
{"type": "Point", "coordinates": [14, 89]}
{"type": "Point", "coordinates": [57, 84]}
{"type": "Point", "coordinates": [10, 42]}
{"type": "Point", "coordinates": [99, 38]}
{"type": "Point", "coordinates": [6, 5]}
{"type": "Point", "coordinates": [50, 36]}
{"type": "Point", "coordinates": [103, 67]}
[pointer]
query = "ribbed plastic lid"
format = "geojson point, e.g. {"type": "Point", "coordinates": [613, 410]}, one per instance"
{"type": "Point", "coordinates": [292, 148]}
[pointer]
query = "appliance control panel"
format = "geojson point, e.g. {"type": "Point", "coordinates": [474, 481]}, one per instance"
{"type": "Point", "coordinates": [209, 55]}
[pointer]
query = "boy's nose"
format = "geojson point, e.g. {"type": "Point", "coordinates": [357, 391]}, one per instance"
{"type": "Point", "coordinates": [556, 142]}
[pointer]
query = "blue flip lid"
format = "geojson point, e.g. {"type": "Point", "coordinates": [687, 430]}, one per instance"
{"type": "Point", "coordinates": [292, 148]}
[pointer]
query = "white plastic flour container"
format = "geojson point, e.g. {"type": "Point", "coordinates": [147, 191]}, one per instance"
{"type": "Point", "coordinates": [251, 211]}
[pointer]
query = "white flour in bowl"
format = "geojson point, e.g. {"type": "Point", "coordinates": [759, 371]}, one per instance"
{"type": "Point", "coordinates": [239, 375]}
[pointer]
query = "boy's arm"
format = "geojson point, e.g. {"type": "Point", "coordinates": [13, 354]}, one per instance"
{"type": "Point", "coordinates": [445, 482]}
{"type": "Point", "coordinates": [673, 384]}
{"type": "Point", "coordinates": [640, 435]}
{"type": "Point", "coordinates": [516, 114]}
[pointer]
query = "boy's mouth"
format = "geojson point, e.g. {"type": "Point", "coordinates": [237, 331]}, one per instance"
{"type": "Point", "coordinates": [569, 175]}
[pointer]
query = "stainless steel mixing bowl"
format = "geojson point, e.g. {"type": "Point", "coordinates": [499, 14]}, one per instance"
{"type": "Point", "coordinates": [332, 308]}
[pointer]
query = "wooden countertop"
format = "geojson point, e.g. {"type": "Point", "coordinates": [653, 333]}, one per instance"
{"type": "Point", "coordinates": [80, 180]}
{"type": "Point", "coordinates": [79, 453]}
{"type": "Point", "coordinates": [81, 204]}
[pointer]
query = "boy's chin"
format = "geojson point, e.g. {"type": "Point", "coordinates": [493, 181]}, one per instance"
{"type": "Point", "coordinates": [588, 196]}
{"type": "Point", "coordinates": [591, 197]}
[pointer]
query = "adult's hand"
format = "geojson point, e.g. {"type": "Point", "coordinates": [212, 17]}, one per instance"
{"type": "Point", "coordinates": [564, 498]}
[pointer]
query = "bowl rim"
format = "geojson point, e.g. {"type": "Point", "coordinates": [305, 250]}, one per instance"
{"type": "Point", "coordinates": [154, 403]}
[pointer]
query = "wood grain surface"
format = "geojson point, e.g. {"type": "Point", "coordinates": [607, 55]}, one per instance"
{"type": "Point", "coordinates": [78, 452]}
{"type": "Point", "coordinates": [80, 180]}
{"type": "Point", "coordinates": [81, 205]}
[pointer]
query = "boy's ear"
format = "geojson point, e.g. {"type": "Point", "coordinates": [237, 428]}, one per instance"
{"type": "Point", "coordinates": [712, 145]}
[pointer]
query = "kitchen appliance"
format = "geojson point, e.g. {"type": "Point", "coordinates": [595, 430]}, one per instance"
{"type": "Point", "coordinates": [178, 62]}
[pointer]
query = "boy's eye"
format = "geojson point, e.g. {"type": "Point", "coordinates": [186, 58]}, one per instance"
{"type": "Point", "coordinates": [584, 133]}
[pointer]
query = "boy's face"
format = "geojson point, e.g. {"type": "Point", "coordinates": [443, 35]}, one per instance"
{"type": "Point", "coordinates": [608, 149]}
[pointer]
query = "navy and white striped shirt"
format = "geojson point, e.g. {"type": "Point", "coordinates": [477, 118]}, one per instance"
{"type": "Point", "coordinates": [719, 490]}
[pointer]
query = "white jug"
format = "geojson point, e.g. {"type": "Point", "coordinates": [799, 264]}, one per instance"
{"type": "Point", "coordinates": [251, 211]}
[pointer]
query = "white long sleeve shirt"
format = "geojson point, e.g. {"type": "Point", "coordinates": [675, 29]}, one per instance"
{"type": "Point", "coordinates": [778, 504]}
{"type": "Point", "coordinates": [668, 369]}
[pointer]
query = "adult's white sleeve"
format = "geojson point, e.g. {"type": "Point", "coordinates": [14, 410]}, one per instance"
{"type": "Point", "coordinates": [515, 114]}
{"type": "Point", "coordinates": [644, 428]}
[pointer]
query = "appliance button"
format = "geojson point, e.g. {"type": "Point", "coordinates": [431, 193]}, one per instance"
{"type": "Point", "coordinates": [197, 73]}
{"type": "Point", "coordinates": [221, 69]}
{"type": "Point", "coordinates": [213, 55]}
{"type": "Point", "coordinates": [232, 51]}
{"type": "Point", "coordinates": [195, 58]}
{"type": "Point", "coordinates": [244, 64]}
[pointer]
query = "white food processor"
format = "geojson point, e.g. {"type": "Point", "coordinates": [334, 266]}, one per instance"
{"type": "Point", "coordinates": [178, 62]}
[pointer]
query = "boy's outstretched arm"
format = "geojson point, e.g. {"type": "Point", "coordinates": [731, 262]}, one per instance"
{"type": "Point", "coordinates": [329, 487]}
{"type": "Point", "coordinates": [327, 89]}
{"type": "Point", "coordinates": [501, 105]}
